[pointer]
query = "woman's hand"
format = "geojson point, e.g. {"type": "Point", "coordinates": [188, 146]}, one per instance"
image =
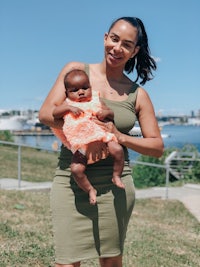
{"type": "Point", "coordinates": [98, 150]}
{"type": "Point", "coordinates": [108, 127]}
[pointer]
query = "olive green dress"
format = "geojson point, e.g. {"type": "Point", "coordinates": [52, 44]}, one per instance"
{"type": "Point", "coordinates": [83, 231]}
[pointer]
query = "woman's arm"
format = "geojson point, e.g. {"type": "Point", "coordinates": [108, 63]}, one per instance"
{"type": "Point", "coordinates": [56, 97]}
{"type": "Point", "coordinates": [151, 144]}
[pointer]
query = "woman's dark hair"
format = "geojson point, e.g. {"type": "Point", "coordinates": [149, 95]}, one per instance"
{"type": "Point", "coordinates": [142, 61]}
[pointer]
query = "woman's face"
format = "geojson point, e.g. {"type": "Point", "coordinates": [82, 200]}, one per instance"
{"type": "Point", "coordinates": [120, 43]}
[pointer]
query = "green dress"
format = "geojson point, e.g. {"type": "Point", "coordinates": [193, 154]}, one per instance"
{"type": "Point", "coordinates": [83, 231]}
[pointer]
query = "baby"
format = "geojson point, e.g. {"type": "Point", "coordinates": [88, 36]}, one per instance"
{"type": "Point", "coordinates": [79, 129]}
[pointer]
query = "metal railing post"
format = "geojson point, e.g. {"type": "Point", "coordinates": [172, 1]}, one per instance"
{"type": "Point", "coordinates": [167, 182]}
{"type": "Point", "coordinates": [167, 164]}
{"type": "Point", "coordinates": [19, 166]}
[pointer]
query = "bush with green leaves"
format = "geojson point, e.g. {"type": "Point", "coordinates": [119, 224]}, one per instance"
{"type": "Point", "coordinates": [6, 136]}
{"type": "Point", "coordinates": [149, 176]}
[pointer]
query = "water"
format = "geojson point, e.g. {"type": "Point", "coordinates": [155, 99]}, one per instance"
{"type": "Point", "coordinates": [182, 135]}
{"type": "Point", "coordinates": [42, 141]}
{"type": "Point", "coordinates": [179, 135]}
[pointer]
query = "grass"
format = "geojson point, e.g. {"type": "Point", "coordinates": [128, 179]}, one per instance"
{"type": "Point", "coordinates": [36, 165]}
{"type": "Point", "coordinates": [161, 233]}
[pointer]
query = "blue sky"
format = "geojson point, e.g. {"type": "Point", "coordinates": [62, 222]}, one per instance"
{"type": "Point", "coordinates": [38, 37]}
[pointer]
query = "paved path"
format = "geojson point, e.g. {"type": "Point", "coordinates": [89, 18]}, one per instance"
{"type": "Point", "coordinates": [188, 194]}
{"type": "Point", "coordinates": [13, 184]}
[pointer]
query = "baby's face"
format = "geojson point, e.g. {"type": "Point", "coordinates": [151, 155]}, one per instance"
{"type": "Point", "coordinates": [79, 89]}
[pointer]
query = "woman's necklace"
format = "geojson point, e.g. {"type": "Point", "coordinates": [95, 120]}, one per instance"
{"type": "Point", "coordinates": [110, 89]}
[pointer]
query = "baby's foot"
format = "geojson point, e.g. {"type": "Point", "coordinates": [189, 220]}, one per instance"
{"type": "Point", "coordinates": [117, 181]}
{"type": "Point", "coordinates": [92, 196]}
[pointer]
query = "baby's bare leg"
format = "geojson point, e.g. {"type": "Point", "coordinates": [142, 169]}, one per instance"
{"type": "Point", "coordinates": [78, 167]}
{"type": "Point", "coordinates": [116, 151]}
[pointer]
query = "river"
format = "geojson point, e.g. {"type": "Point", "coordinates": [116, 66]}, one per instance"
{"type": "Point", "coordinates": [175, 136]}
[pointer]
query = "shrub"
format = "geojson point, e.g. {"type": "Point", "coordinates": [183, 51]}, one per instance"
{"type": "Point", "coordinates": [149, 176]}
{"type": "Point", "coordinates": [6, 136]}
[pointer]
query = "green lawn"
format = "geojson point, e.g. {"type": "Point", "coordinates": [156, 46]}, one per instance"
{"type": "Point", "coordinates": [36, 165]}
{"type": "Point", "coordinates": [161, 233]}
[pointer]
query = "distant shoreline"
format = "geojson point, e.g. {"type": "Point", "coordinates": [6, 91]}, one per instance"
{"type": "Point", "coordinates": [33, 133]}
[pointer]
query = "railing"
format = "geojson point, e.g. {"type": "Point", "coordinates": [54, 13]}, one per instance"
{"type": "Point", "coordinates": [19, 156]}
{"type": "Point", "coordinates": [166, 166]}
{"type": "Point", "coordinates": [156, 166]}
{"type": "Point", "coordinates": [179, 156]}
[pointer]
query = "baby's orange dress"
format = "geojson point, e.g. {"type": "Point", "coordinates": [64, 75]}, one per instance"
{"type": "Point", "coordinates": [79, 131]}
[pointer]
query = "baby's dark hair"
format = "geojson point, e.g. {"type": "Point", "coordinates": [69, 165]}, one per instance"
{"type": "Point", "coordinates": [142, 61]}
{"type": "Point", "coordinates": [73, 72]}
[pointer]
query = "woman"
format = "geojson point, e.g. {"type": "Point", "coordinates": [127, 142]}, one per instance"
{"type": "Point", "coordinates": [83, 231]}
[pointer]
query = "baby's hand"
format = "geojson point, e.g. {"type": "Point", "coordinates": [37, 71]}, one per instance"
{"type": "Point", "coordinates": [76, 111]}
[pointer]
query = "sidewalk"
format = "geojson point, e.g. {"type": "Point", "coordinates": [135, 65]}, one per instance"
{"type": "Point", "coordinates": [188, 194]}
{"type": "Point", "coordinates": [13, 184]}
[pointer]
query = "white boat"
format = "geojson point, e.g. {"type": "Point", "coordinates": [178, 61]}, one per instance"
{"type": "Point", "coordinates": [136, 131]}
{"type": "Point", "coordinates": [33, 120]}
{"type": "Point", "coordinates": [165, 135]}
{"type": "Point", "coordinates": [194, 121]}
{"type": "Point", "coordinates": [12, 123]}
